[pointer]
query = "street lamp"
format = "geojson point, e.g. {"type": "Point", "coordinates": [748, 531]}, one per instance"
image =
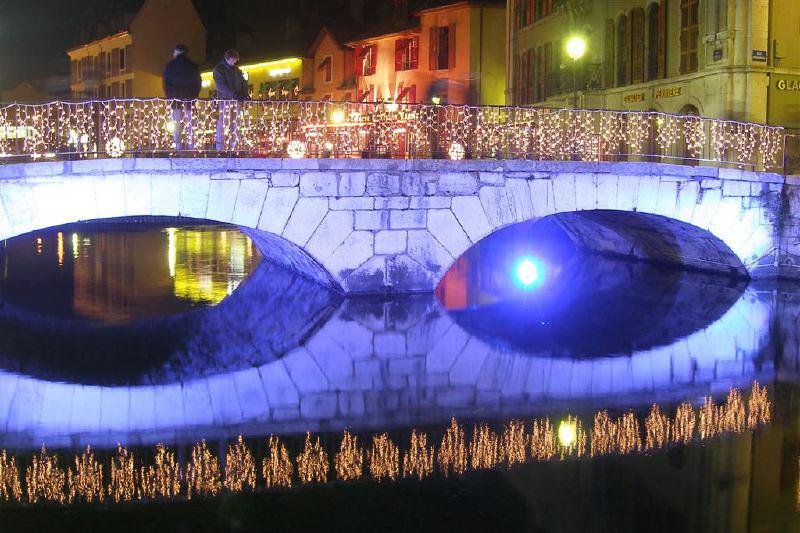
{"type": "Point", "coordinates": [576, 47]}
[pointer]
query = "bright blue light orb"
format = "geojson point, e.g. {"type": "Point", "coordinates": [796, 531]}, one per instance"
{"type": "Point", "coordinates": [528, 272]}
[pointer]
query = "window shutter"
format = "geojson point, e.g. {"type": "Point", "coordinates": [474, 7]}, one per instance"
{"type": "Point", "coordinates": [531, 76]}
{"type": "Point", "coordinates": [662, 39]}
{"type": "Point", "coordinates": [608, 60]}
{"type": "Point", "coordinates": [433, 48]}
{"type": "Point", "coordinates": [629, 49]}
{"type": "Point", "coordinates": [359, 60]}
{"type": "Point", "coordinates": [451, 47]}
{"type": "Point", "coordinates": [399, 46]}
{"type": "Point", "coordinates": [415, 53]}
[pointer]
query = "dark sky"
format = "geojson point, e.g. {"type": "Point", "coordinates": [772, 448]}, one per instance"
{"type": "Point", "coordinates": [35, 34]}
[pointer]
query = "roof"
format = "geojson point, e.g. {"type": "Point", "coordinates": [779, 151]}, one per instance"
{"type": "Point", "coordinates": [109, 18]}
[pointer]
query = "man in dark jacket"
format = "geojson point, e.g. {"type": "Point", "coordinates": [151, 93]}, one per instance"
{"type": "Point", "coordinates": [231, 85]}
{"type": "Point", "coordinates": [181, 82]}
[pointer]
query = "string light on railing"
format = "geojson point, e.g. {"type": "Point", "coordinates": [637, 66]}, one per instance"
{"type": "Point", "coordinates": [296, 149]}
{"type": "Point", "coordinates": [456, 151]}
{"type": "Point", "coordinates": [115, 147]}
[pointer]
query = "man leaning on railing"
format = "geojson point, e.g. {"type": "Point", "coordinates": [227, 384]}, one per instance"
{"type": "Point", "coordinates": [231, 85]}
{"type": "Point", "coordinates": [181, 82]}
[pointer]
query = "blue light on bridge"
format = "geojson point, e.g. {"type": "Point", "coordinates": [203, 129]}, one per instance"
{"type": "Point", "coordinates": [528, 273]}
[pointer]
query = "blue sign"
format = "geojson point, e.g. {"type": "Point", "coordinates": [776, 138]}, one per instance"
{"type": "Point", "coordinates": [759, 55]}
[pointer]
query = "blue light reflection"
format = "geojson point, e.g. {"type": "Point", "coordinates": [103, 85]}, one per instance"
{"type": "Point", "coordinates": [529, 273]}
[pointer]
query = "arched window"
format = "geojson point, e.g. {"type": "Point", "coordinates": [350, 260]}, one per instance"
{"type": "Point", "coordinates": [652, 42]}
{"type": "Point", "coordinates": [608, 59]}
{"type": "Point", "coordinates": [548, 70]}
{"type": "Point", "coordinates": [540, 74]}
{"type": "Point", "coordinates": [689, 35]}
{"type": "Point", "coordinates": [637, 45]}
{"type": "Point", "coordinates": [622, 51]}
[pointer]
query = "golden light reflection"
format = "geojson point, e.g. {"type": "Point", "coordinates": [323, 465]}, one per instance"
{"type": "Point", "coordinates": [39, 245]}
{"type": "Point", "coordinates": [349, 460]}
{"type": "Point", "coordinates": [384, 458]}
{"type": "Point", "coordinates": [60, 248]}
{"type": "Point", "coordinates": [163, 478]}
{"type": "Point", "coordinates": [277, 466]}
{"type": "Point", "coordinates": [122, 486]}
{"type": "Point", "coordinates": [10, 486]}
{"type": "Point", "coordinates": [172, 252]}
{"type": "Point", "coordinates": [418, 460]}
{"type": "Point", "coordinates": [75, 251]}
{"type": "Point", "coordinates": [240, 467]}
{"type": "Point", "coordinates": [312, 463]}
{"type": "Point", "coordinates": [85, 479]}
{"type": "Point", "coordinates": [203, 477]}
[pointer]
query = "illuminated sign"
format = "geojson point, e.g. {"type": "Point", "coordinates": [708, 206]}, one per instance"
{"type": "Point", "coordinates": [632, 98]}
{"type": "Point", "coordinates": [667, 92]}
{"type": "Point", "coordinates": [275, 72]}
{"type": "Point", "coordinates": [788, 85]}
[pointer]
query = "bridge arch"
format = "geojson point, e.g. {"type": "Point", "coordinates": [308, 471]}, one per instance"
{"type": "Point", "coordinates": [374, 226]}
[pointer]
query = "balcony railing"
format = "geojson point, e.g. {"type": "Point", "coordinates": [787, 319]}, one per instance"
{"type": "Point", "coordinates": [157, 127]}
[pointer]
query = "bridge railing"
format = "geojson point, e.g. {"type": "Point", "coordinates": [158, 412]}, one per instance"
{"type": "Point", "coordinates": [158, 127]}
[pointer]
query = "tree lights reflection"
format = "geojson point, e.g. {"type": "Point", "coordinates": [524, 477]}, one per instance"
{"type": "Point", "coordinates": [456, 453]}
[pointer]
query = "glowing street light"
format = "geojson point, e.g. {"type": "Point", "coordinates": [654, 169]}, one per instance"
{"type": "Point", "coordinates": [337, 117]}
{"type": "Point", "coordinates": [528, 272]}
{"type": "Point", "coordinates": [576, 48]}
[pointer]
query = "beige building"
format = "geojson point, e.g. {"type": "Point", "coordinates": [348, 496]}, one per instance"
{"type": "Point", "coordinates": [732, 59]}
{"type": "Point", "coordinates": [129, 54]}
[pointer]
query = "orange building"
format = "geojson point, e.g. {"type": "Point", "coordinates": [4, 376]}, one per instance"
{"type": "Point", "coordinates": [452, 54]}
{"type": "Point", "coordinates": [333, 76]}
{"type": "Point", "coordinates": [128, 54]}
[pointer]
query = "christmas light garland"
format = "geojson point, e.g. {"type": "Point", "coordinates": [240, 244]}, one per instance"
{"type": "Point", "coordinates": [120, 127]}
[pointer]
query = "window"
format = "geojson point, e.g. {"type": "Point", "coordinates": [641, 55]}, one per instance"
{"type": "Point", "coordinates": [326, 66]}
{"type": "Point", "coordinates": [517, 74]}
{"type": "Point", "coordinates": [442, 52]}
{"type": "Point", "coordinates": [608, 57]}
{"type": "Point", "coordinates": [622, 51]}
{"type": "Point", "coordinates": [540, 74]}
{"type": "Point", "coordinates": [637, 45]}
{"type": "Point", "coordinates": [517, 14]}
{"type": "Point", "coordinates": [129, 88]}
{"type": "Point", "coordinates": [74, 71]}
{"type": "Point", "coordinates": [122, 60]}
{"type": "Point", "coordinates": [548, 69]}
{"type": "Point", "coordinates": [406, 54]}
{"type": "Point", "coordinates": [365, 60]}
{"type": "Point", "coordinates": [654, 48]}
{"type": "Point", "coordinates": [530, 93]}
{"type": "Point", "coordinates": [689, 35]}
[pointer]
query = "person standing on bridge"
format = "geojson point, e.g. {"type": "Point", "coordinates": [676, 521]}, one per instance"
{"type": "Point", "coordinates": [181, 83]}
{"type": "Point", "coordinates": [231, 89]}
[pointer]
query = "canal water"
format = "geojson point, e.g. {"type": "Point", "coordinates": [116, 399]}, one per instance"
{"type": "Point", "coordinates": [539, 389]}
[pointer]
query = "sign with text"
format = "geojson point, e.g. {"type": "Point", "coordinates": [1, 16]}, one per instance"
{"type": "Point", "coordinates": [633, 98]}
{"type": "Point", "coordinates": [759, 55]}
{"type": "Point", "coordinates": [787, 85]}
{"type": "Point", "coordinates": [667, 92]}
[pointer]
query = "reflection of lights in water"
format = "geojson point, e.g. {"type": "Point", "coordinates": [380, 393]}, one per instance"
{"type": "Point", "coordinates": [172, 252]}
{"type": "Point", "coordinates": [165, 478]}
{"type": "Point", "coordinates": [567, 433]}
{"type": "Point", "coordinates": [528, 272]}
{"type": "Point", "coordinates": [75, 251]}
{"type": "Point", "coordinates": [60, 248]}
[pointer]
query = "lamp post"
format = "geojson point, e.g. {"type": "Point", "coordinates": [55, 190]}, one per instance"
{"type": "Point", "coordinates": [576, 47]}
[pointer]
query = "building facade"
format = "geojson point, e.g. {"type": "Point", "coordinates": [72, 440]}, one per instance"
{"type": "Point", "coordinates": [129, 54]}
{"type": "Point", "coordinates": [282, 78]}
{"type": "Point", "coordinates": [452, 54]}
{"type": "Point", "coordinates": [731, 59]}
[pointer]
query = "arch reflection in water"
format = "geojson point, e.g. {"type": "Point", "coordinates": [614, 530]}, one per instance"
{"type": "Point", "coordinates": [110, 271]}
{"type": "Point", "coordinates": [587, 306]}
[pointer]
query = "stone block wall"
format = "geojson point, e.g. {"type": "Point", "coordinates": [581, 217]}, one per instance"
{"type": "Point", "coordinates": [398, 225]}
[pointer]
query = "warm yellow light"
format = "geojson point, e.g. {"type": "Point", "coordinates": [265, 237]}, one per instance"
{"type": "Point", "coordinates": [391, 107]}
{"type": "Point", "coordinates": [436, 100]}
{"type": "Point", "coordinates": [269, 65]}
{"type": "Point", "coordinates": [171, 126]}
{"type": "Point", "coordinates": [576, 47]}
{"type": "Point", "coordinates": [567, 433]}
{"type": "Point", "coordinates": [206, 83]}
{"type": "Point", "coordinates": [337, 117]}
{"type": "Point", "coordinates": [282, 71]}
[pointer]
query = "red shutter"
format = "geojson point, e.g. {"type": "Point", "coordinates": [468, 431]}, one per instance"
{"type": "Point", "coordinates": [399, 47]}
{"type": "Point", "coordinates": [451, 47]}
{"type": "Point", "coordinates": [530, 12]}
{"type": "Point", "coordinates": [359, 60]}
{"type": "Point", "coordinates": [662, 39]}
{"type": "Point", "coordinates": [415, 53]}
{"type": "Point", "coordinates": [433, 51]}
{"type": "Point", "coordinates": [517, 14]}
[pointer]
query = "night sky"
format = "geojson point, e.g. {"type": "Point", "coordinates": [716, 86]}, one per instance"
{"type": "Point", "coordinates": [35, 35]}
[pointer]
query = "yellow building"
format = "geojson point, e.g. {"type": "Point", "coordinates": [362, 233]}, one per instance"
{"type": "Point", "coordinates": [268, 78]}
{"type": "Point", "coordinates": [129, 61]}
{"type": "Point", "coordinates": [731, 59]}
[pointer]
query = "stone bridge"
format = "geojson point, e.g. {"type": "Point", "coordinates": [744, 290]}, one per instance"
{"type": "Point", "coordinates": [382, 225]}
